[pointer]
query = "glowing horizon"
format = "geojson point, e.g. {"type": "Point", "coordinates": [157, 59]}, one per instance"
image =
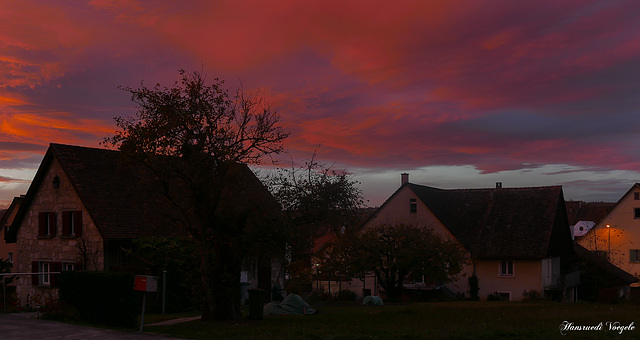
{"type": "Point", "coordinates": [540, 93]}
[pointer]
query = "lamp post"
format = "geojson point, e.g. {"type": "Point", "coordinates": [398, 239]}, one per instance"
{"type": "Point", "coordinates": [609, 252]}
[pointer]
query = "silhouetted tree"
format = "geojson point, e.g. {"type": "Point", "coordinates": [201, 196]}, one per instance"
{"type": "Point", "coordinates": [393, 252]}
{"type": "Point", "coordinates": [316, 200]}
{"type": "Point", "coordinates": [210, 134]}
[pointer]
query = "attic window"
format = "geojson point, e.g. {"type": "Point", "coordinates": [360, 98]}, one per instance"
{"type": "Point", "coordinates": [636, 196]}
{"type": "Point", "coordinates": [56, 182]}
{"type": "Point", "coordinates": [413, 205]}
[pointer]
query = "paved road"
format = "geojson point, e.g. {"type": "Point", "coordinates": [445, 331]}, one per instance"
{"type": "Point", "coordinates": [25, 326]}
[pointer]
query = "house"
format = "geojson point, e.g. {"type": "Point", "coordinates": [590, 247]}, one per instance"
{"type": "Point", "coordinates": [8, 250]}
{"type": "Point", "coordinates": [518, 240]}
{"type": "Point", "coordinates": [616, 237]}
{"type": "Point", "coordinates": [584, 215]}
{"type": "Point", "coordinates": [83, 210]}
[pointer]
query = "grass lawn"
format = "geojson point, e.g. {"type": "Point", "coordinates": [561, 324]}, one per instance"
{"type": "Point", "coordinates": [446, 320]}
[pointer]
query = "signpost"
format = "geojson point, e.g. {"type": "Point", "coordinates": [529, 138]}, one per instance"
{"type": "Point", "coordinates": [144, 284]}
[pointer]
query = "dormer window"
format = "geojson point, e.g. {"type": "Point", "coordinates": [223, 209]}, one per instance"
{"type": "Point", "coordinates": [413, 205]}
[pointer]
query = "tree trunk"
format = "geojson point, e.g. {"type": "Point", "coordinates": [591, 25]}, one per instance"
{"type": "Point", "coordinates": [209, 303]}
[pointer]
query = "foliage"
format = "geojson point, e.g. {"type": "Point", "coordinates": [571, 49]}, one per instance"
{"type": "Point", "coordinates": [532, 295]}
{"type": "Point", "coordinates": [212, 133]}
{"type": "Point", "coordinates": [394, 252]}
{"type": "Point", "coordinates": [176, 256]}
{"type": "Point", "coordinates": [316, 200]}
{"type": "Point", "coordinates": [5, 267]}
{"type": "Point", "coordinates": [346, 295]}
{"type": "Point", "coordinates": [100, 297]}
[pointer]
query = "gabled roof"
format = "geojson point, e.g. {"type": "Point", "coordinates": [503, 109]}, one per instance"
{"type": "Point", "coordinates": [5, 215]}
{"type": "Point", "coordinates": [119, 196]}
{"type": "Point", "coordinates": [500, 222]}
{"type": "Point", "coordinates": [587, 211]}
{"type": "Point", "coordinates": [611, 209]}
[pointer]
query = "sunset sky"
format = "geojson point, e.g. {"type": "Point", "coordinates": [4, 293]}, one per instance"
{"type": "Point", "coordinates": [459, 94]}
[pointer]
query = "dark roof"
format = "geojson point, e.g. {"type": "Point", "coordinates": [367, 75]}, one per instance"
{"type": "Point", "coordinates": [603, 265]}
{"type": "Point", "coordinates": [587, 211]}
{"type": "Point", "coordinates": [119, 196]}
{"type": "Point", "coordinates": [500, 222]}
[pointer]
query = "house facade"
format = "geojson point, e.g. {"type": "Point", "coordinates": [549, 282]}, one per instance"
{"type": "Point", "coordinates": [616, 237]}
{"type": "Point", "coordinates": [7, 249]}
{"type": "Point", "coordinates": [84, 209]}
{"type": "Point", "coordinates": [517, 240]}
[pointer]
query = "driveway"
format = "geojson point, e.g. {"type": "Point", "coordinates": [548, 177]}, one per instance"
{"type": "Point", "coordinates": [26, 326]}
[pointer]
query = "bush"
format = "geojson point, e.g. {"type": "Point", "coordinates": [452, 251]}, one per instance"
{"type": "Point", "coordinates": [532, 295]}
{"type": "Point", "coordinates": [100, 297]}
{"type": "Point", "coordinates": [346, 295]}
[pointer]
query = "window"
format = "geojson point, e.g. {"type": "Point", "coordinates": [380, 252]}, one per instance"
{"type": "Point", "coordinates": [506, 268]}
{"type": "Point", "coordinates": [72, 223]}
{"type": "Point", "coordinates": [602, 253]}
{"type": "Point", "coordinates": [47, 224]}
{"type": "Point", "coordinates": [10, 257]}
{"type": "Point", "coordinates": [636, 212]}
{"type": "Point", "coordinates": [504, 296]}
{"type": "Point", "coordinates": [636, 196]}
{"type": "Point", "coordinates": [44, 279]}
{"type": "Point", "coordinates": [68, 266]}
{"type": "Point", "coordinates": [634, 255]}
{"type": "Point", "coordinates": [413, 205]}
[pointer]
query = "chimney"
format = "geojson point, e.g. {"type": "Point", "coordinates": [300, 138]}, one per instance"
{"type": "Point", "coordinates": [405, 178]}
{"type": "Point", "coordinates": [498, 185]}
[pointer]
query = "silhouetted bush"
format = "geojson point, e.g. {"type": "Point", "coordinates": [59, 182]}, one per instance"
{"type": "Point", "coordinates": [101, 297]}
{"type": "Point", "coordinates": [346, 295]}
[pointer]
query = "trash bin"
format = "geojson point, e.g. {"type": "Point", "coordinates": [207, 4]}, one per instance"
{"type": "Point", "coordinates": [256, 298]}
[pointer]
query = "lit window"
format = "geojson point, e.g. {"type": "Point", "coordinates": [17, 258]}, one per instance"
{"type": "Point", "coordinates": [506, 268]}
{"type": "Point", "coordinates": [634, 255]}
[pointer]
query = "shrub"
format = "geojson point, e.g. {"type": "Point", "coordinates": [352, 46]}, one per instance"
{"type": "Point", "coordinates": [495, 296]}
{"type": "Point", "coordinates": [100, 297]}
{"type": "Point", "coordinates": [532, 295]}
{"type": "Point", "coordinates": [346, 295]}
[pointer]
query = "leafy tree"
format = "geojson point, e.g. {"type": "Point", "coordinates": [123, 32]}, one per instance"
{"type": "Point", "coordinates": [175, 255]}
{"type": "Point", "coordinates": [395, 251]}
{"type": "Point", "coordinates": [210, 134]}
{"type": "Point", "coordinates": [5, 267]}
{"type": "Point", "coordinates": [316, 200]}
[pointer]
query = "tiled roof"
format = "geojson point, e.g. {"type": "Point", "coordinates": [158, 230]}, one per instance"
{"type": "Point", "coordinates": [501, 222]}
{"type": "Point", "coordinates": [587, 211]}
{"type": "Point", "coordinates": [123, 199]}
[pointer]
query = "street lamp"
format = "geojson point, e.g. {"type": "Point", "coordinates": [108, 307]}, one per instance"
{"type": "Point", "coordinates": [609, 252]}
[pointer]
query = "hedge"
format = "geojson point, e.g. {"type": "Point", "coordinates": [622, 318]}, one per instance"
{"type": "Point", "coordinates": [101, 297]}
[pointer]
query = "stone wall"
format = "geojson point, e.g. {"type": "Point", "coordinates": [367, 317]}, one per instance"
{"type": "Point", "coordinates": [57, 249]}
